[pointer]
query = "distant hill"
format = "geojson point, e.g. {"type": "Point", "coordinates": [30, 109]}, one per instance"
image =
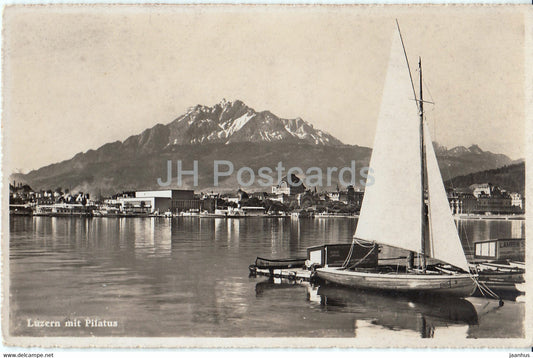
{"type": "Point", "coordinates": [510, 177]}
{"type": "Point", "coordinates": [462, 160]}
{"type": "Point", "coordinates": [95, 172]}
{"type": "Point", "coordinates": [225, 131]}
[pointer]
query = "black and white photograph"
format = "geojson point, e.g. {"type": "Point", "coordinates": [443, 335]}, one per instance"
{"type": "Point", "coordinates": [265, 176]}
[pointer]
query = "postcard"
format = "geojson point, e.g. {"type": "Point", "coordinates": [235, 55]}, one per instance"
{"type": "Point", "coordinates": [266, 176]}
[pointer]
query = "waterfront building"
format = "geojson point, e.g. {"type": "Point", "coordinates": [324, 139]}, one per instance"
{"type": "Point", "coordinates": [64, 209]}
{"type": "Point", "coordinates": [172, 199]}
{"type": "Point", "coordinates": [145, 205]}
{"type": "Point", "coordinates": [152, 201]}
{"type": "Point", "coordinates": [494, 205]}
{"type": "Point", "coordinates": [484, 199]}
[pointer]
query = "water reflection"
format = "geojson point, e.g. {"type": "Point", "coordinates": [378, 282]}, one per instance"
{"type": "Point", "coordinates": [372, 313]}
{"type": "Point", "coordinates": [395, 312]}
{"type": "Point", "coordinates": [517, 229]}
{"type": "Point", "coordinates": [189, 277]}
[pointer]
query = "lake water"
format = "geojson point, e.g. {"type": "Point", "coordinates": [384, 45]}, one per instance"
{"type": "Point", "coordinates": [189, 277]}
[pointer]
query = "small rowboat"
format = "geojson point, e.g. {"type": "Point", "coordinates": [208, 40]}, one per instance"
{"type": "Point", "coordinates": [501, 277]}
{"type": "Point", "coordinates": [271, 264]}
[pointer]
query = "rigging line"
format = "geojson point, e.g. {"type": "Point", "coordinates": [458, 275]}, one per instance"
{"type": "Point", "coordinates": [491, 293]}
{"type": "Point", "coordinates": [408, 67]}
{"type": "Point", "coordinates": [426, 86]}
{"type": "Point", "coordinates": [432, 110]}
{"type": "Point", "coordinates": [430, 220]}
{"type": "Point", "coordinates": [362, 259]}
{"type": "Point", "coordinates": [349, 257]}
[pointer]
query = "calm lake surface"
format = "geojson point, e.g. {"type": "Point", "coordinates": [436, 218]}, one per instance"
{"type": "Point", "coordinates": [189, 277]}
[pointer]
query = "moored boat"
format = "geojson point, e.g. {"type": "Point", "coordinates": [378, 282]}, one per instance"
{"type": "Point", "coordinates": [500, 263]}
{"type": "Point", "coordinates": [272, 263]}
{"type": "Point", "coordinates": [429, 282]}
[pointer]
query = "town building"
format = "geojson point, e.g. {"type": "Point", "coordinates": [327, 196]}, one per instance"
{"type": "Point", "coordinates": [334, 196]}
{"type": "Point", "coordinates": [281, 198]}
{"type": "Point", "coordinates": [516, 200]}
{"type": "Point", "coordinates": [237, 197]}
{"type": "Point", "coordinates": [305, 199]}
{"type": "Point", "coordinates": [494, 205]}
{"type": "Point", "coordinates": [349, 196]}
{"type": "Point", "coordinates": [260, 195]}
{"type": "Point", "coordinates": [462, 203]}
{"type": "Point", "coordinates": [253, 210]}
{"type": "Point", "coordinates": [484, 189]}
{"type": "Point", "coordinates": [289, 187]}
{"type": "Point", "coordinates": [484, 199]}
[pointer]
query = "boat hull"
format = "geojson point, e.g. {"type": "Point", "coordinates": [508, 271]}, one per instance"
{"type": "Point", "coordinates": [266, 263]}
{"type": "Point", "coordinates": [458, 285]}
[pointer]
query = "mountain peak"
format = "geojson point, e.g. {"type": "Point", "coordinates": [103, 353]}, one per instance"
{"type": "Point", "coordinates": [234, 121]}
{"type": "Point", "coordinates": [474, 148]}
{"type": "Point", "coordinates": [458, 150]}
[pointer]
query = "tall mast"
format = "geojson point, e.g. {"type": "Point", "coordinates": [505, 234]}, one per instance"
{"type": "Point", "coordinates": [420, 106]}
{"type": "Point", "coordinates": [422, 172]}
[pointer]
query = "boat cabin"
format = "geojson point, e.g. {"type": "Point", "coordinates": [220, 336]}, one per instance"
{"type": "Point", "coordinates": [334, 255]}
{"type": "Point", "coordinates": [500, 249]}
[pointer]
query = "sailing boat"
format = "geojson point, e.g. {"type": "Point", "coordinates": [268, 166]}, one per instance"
{"type": "Point", "coordinates": [395, 211]}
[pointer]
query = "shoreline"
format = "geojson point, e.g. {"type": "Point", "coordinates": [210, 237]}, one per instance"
{"type": "Point", "coordinates": [346, 216]}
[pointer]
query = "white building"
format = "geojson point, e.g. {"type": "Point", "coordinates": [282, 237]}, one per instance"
{"type": "Point", "coordinates": [147, 205]}
{"type": "Point", "coordinates": [482, 189]}
{"type": "Point", "coordinates": [171, 199]}
{"type": "Point", "coordinates": [334, 196]}
{"type": "Point", "coordinates": [154, 194]}
{"type": "Point", "coordinates": [516, 200]}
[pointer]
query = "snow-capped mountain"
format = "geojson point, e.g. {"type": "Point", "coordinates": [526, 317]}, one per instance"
{"type": "Point", "coordinates": [233, 122]}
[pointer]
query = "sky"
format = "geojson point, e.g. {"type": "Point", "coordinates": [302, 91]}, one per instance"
{"type": "Point", "coordinates": [77, 77]}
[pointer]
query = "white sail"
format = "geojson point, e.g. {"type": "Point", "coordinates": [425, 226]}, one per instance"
{"type": "Point", "coordinates": [445, 244]}
{"type": "Point", "coordinates": [391, 208]}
